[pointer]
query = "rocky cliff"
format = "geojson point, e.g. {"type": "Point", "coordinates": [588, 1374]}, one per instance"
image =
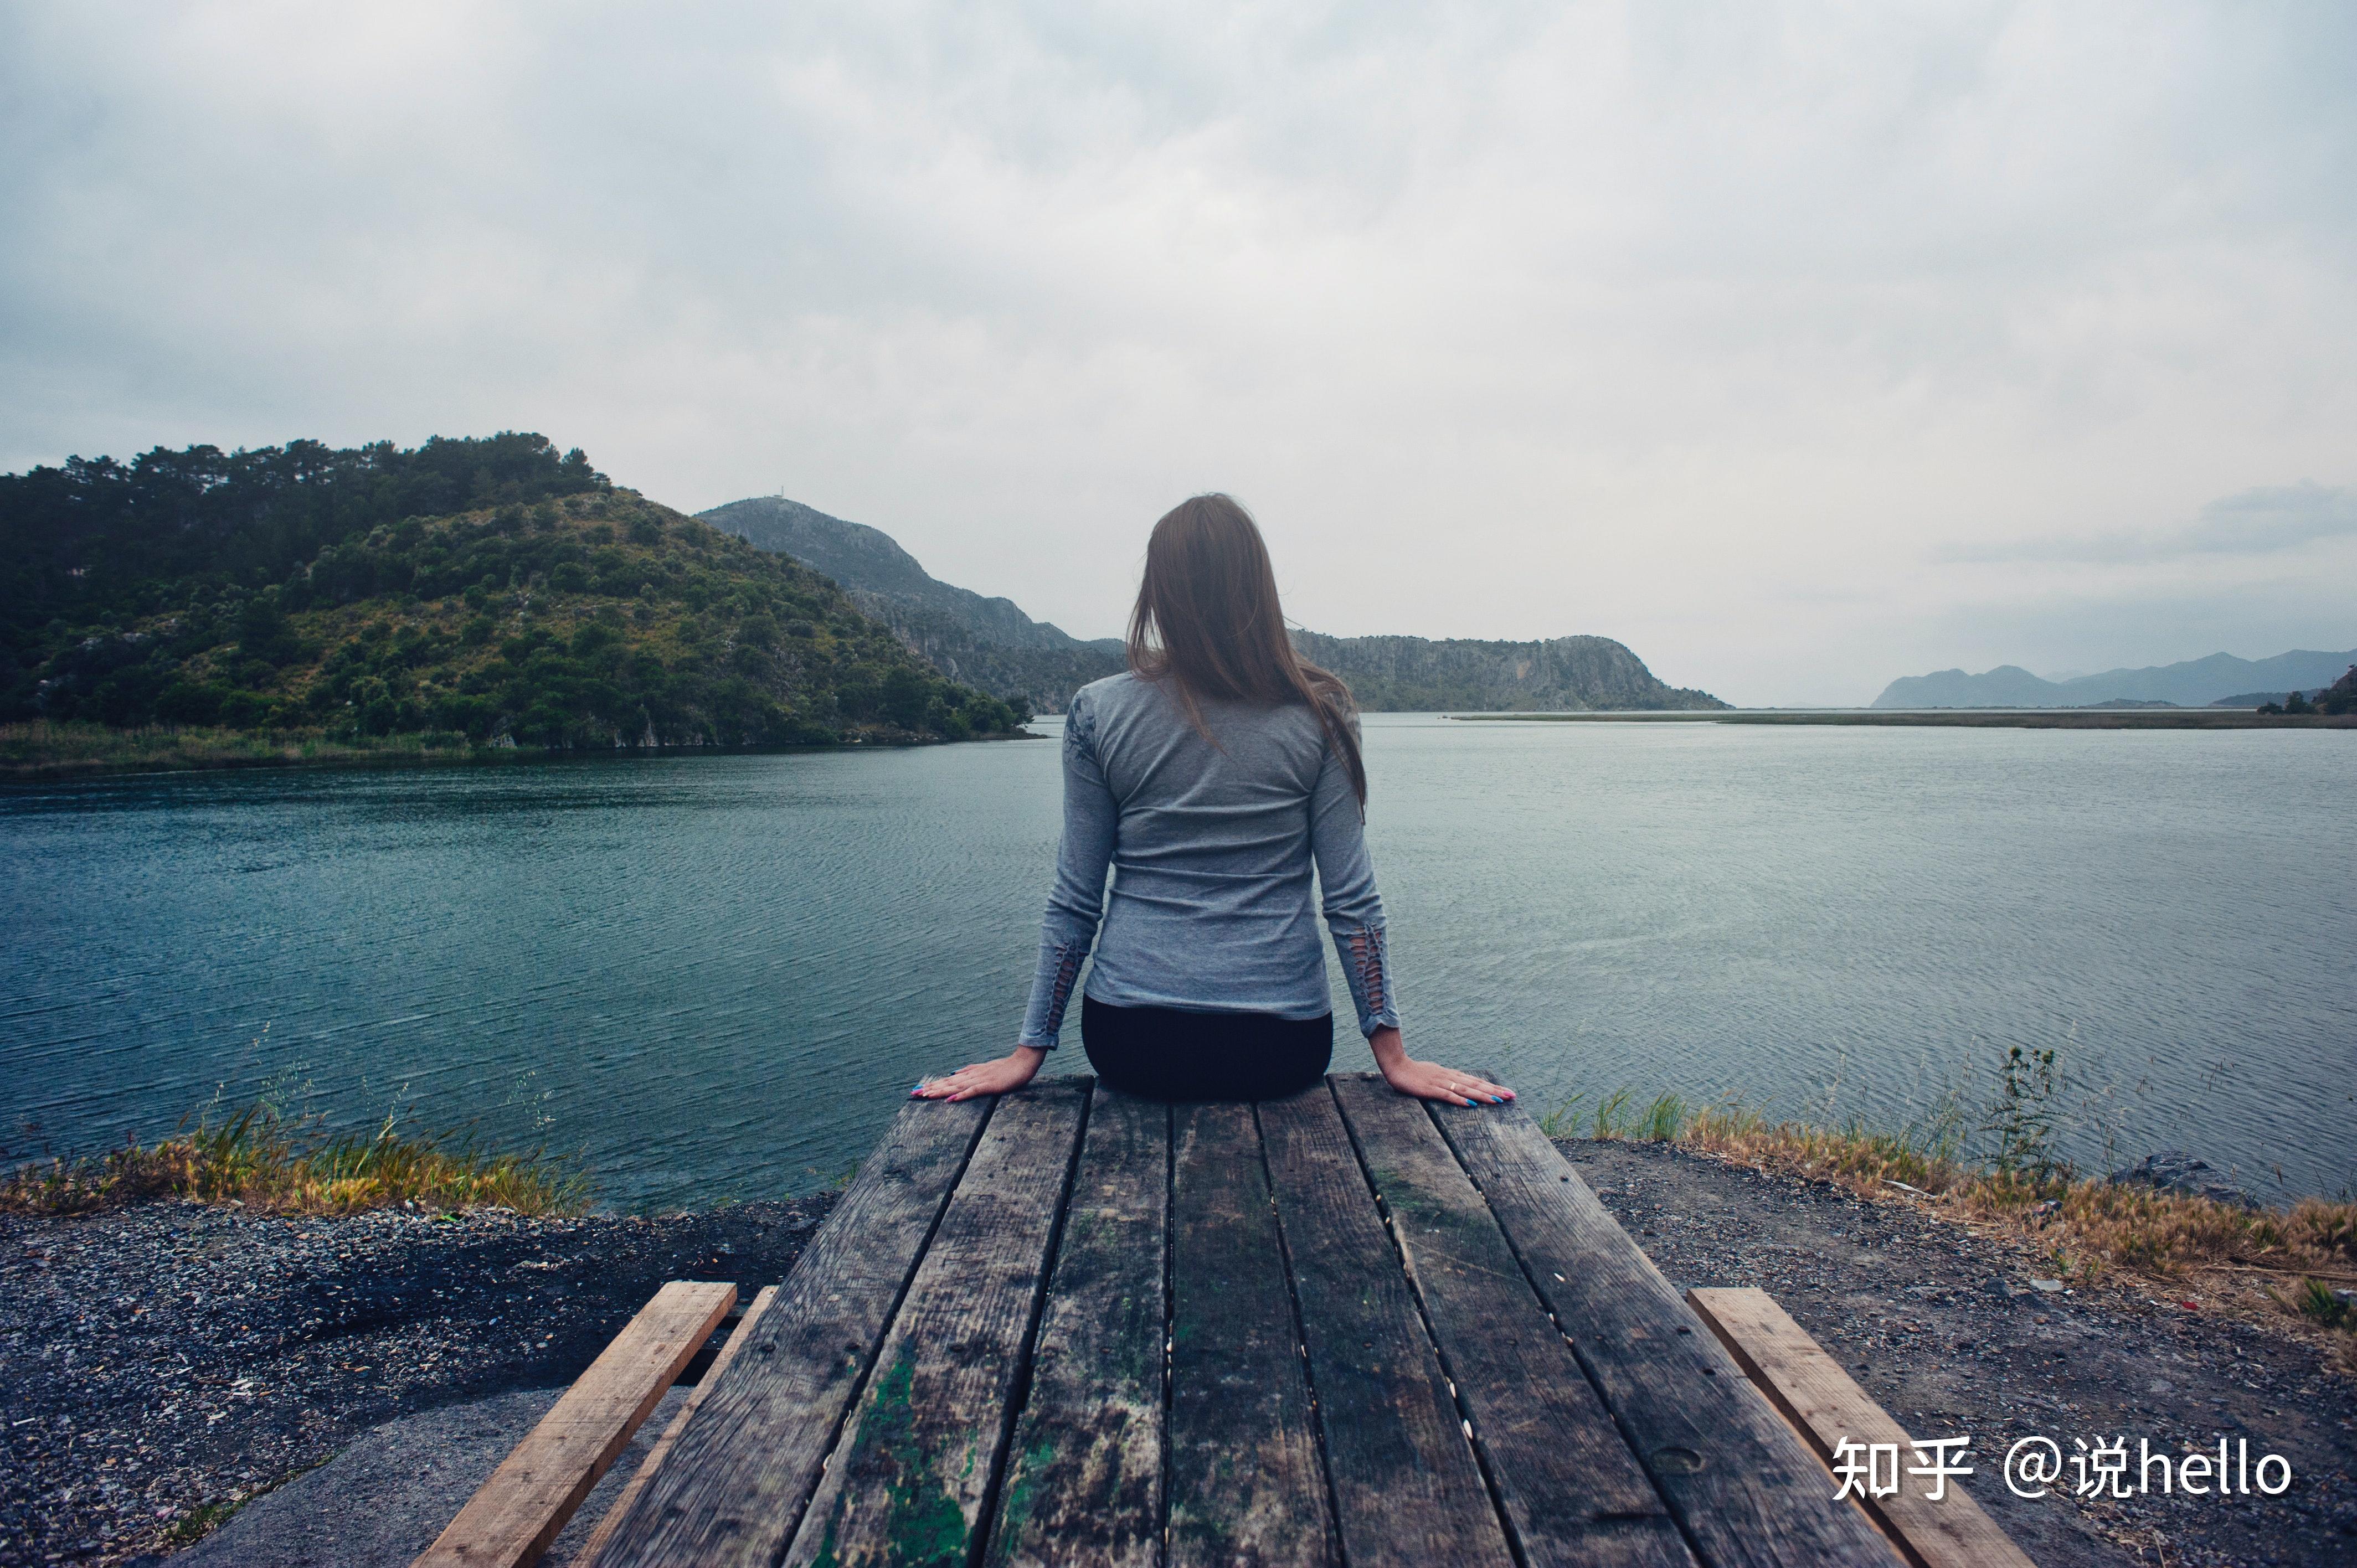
{"type": "Point", "coordinates": [1562, 674]}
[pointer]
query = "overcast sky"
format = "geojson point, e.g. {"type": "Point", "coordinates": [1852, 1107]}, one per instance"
{"type": "Point", "coordinates": [1799, 347]}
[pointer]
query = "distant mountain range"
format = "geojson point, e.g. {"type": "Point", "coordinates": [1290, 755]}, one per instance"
{"type": "Point", "coordinates": [991, 643]}
{"type": "Point", "coordinates": [2198, 683]}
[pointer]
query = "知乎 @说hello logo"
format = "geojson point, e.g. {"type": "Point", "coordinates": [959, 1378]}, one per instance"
{"type": "Point", "coordinates": [2037, 1466]}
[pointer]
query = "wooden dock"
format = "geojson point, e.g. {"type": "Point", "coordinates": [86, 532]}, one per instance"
{"type": "Point", "coordinates": [1074, 1328]}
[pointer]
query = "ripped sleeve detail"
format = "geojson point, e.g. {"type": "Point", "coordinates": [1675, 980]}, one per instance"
{"type": "Point", "coordinates": [1052, 989]}
{"type": "Point", "coordinates": [1367, 967]}
{"type": "Point", "coordinates": [1060, 995]}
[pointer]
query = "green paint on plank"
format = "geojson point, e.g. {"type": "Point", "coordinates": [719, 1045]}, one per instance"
{"type": "Point", "coordinates": [1022, 1495]}
{"type": "Point", "coordinates": [923, 1525]}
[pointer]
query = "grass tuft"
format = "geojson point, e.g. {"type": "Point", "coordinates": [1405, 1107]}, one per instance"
{"type": "Point", "coordinates": [2319, 1301]}
{"type": "Point", "coordinates": [276, 1164]}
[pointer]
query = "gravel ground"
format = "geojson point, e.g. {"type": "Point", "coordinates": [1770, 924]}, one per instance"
{"type": "Point", "coordinates": [1941, 1327]}
{"type": "Point", "coordinates": [161, 1365]}
{"type": "Point", "coordinates": [164, 1363]}
{"type": "Point", "coordinates": [414, 1474]}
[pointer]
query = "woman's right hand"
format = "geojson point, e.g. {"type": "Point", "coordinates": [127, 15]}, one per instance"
{"type": "Point", "coordinates": [1430, 1080]}
{"type": "Point", "coordinates": [1004, 1076]}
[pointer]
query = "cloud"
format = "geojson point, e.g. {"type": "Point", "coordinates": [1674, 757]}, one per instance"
{"type": "Point", "coordinates": [1705, 328]}
{"type": "Point", "coordinates": [2274, 519]}
{"type": "Point", "coordinates": [2258, 521]}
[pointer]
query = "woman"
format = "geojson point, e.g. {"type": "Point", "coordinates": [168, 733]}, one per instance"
{"type": "Point", "coordinates": [1212, 776]}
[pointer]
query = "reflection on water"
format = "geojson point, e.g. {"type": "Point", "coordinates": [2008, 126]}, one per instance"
{"type": "Point", "coordinates": [718, 975]}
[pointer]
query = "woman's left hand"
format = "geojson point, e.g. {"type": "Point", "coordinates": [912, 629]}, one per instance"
{"type": "Point", "coordinates": [1008, 1073]}
{"type": "Point", "coordinates": [1430, 1080]}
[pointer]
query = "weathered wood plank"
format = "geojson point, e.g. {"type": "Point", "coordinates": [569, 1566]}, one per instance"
{"type": "Point", "coordinates": [1742, 1487]}
{"type": "Point", "coordinates": [1085, 1475]}
{"type": "Point", "coordinates": [1826, 1406]}
{"type": "Point", "coordinates": [1246, 1484]}
{"type": "Point", "coordinates": [909, 1483]}
{"type": "Point", "coordinates": [745, 1464]}
{"type": "Point", "coordinates": [658, 1450]}
{"type": "Point", "coordinates": [515, 1515]}
{"type": "Point", "coordinates": [1407, 1489]}
{"type": "Point", "coordinates": [1571, 1490]}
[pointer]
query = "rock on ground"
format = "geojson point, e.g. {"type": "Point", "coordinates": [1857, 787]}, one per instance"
{"type": "Point", "coordinates": [2174, 1170]}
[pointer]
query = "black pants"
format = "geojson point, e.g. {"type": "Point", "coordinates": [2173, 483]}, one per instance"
{"type": "Point", "coordinates": [1165, 1054]}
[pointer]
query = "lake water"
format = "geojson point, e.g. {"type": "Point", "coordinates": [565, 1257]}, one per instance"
{"type": "Point", "coordinates": [715, 976]}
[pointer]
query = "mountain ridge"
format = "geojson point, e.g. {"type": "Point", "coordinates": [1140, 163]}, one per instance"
{"type": "Point", "coordinates": [2192, 682]}
{"type": "Point", "coordinates": [969, 637]}
{"type": "Point", "coordinates": [994, 644]}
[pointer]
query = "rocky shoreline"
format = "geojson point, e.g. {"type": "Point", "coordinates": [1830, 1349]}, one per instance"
{"type": "Point", "coordinates": [162, 1364]}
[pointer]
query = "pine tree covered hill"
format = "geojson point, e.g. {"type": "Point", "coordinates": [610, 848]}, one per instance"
{"type": "Point", "coordinates": [479, 590]}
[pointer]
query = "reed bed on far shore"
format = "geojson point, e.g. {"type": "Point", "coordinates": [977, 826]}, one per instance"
{"type": "Point", "coordinates": [273, 1163]}
{"type": "Point", "coordinates": [42, 749]}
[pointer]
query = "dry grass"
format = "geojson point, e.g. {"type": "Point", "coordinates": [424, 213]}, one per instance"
{"type": "Point", "coordinates": [2086, 1227]}
{"type": "Point", "coordinates": [2091, 1227]}
{"type": "Point", "coordinates": [1856, 1156]}
{"type": "Point", "coordinates": [269, 1162]}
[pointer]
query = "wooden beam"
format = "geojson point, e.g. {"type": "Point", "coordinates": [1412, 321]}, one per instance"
{"type": "Point", "coordinates": [1245, 1482]}
{"type": "Point", "coordinates": [1085, 1475]}
{"type": "Point", "coordinates": [909, 1485]}
{"type": "Point", "coordinates": [1743, 1486]}
{"type": "Point", "coordinates": [661, 1448]}
{"type": "Point", "coordinates": [1826, 1406]}
{"type": "Point", "coordinates": [513, 1517]}
{"type": "Point", "coordinates": [742, 1469]}
{"type": "Point", "coordinates": [1407, 1489]}
{"type": "Point", "coordinates": [1571, 1489]}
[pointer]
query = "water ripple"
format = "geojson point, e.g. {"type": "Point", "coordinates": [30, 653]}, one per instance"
{"type": "Point", "coordinates": [716, 975]}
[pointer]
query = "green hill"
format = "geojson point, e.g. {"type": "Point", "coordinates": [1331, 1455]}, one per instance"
{"type": "Point", "coordinates": [462, 592]}
{"type": "Point", "coordinates": [987, 642]}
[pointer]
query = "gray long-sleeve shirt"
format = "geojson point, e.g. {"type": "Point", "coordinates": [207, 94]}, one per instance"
{"type": "Point", "coordinates": [1211, 848]}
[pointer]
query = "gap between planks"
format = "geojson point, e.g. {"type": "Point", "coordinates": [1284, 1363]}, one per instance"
{"type": "Point", "coordinates": [742, 1471]}
{"type": "Point", "coordinates": [1744, 1488]}
{"type": "Point", "coordinates": [1560, 1471]}
{"type": "Point", "coordinates": [1407, 1485]}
